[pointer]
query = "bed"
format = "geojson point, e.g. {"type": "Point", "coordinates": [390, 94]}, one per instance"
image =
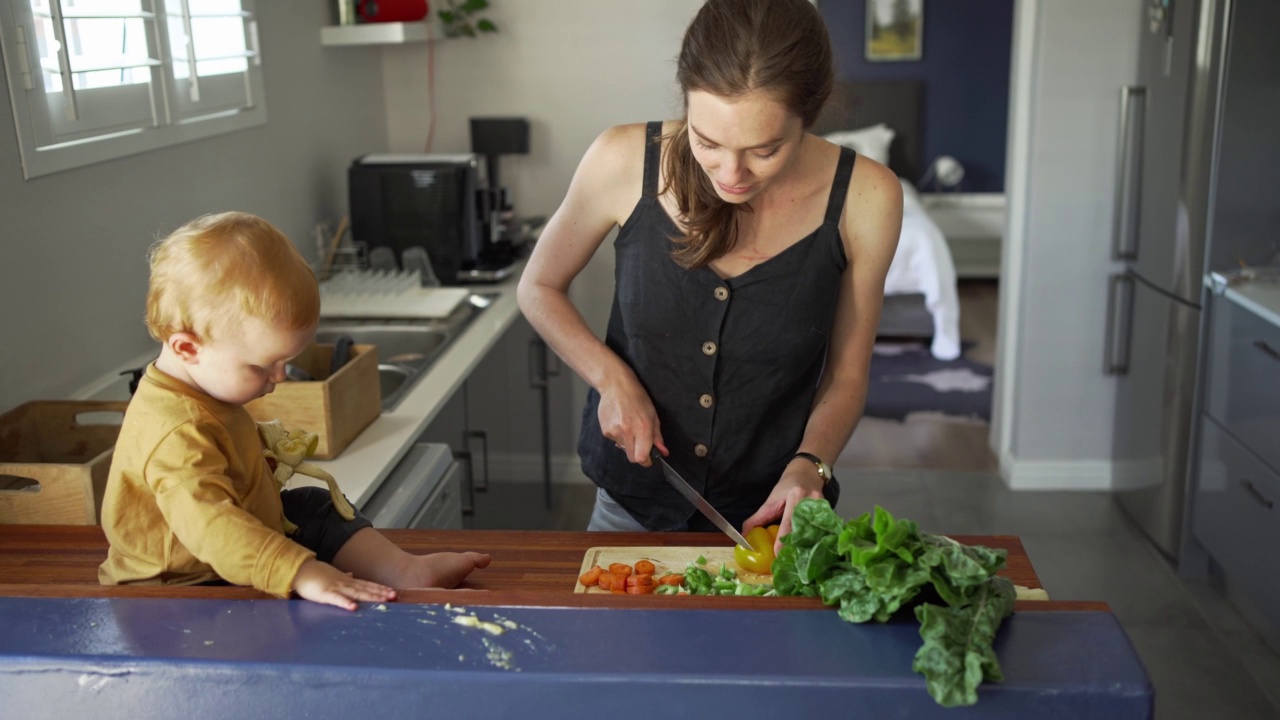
{"type": "Point", "coordinates": [881, 119]}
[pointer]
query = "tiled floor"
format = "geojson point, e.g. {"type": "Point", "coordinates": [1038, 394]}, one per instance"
{"type": "Point", "coordinates": [1204, 661]}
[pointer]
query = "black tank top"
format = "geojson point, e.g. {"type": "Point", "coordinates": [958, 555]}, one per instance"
{"type": "Point", "coordinates": [732, 365]}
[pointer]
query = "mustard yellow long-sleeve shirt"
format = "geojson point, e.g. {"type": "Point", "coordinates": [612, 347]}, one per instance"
{"type": "Point", "coordinates": [190, 498]}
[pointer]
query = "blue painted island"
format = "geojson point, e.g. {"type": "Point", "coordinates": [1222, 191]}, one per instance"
{"type": "Point", "coordinates": [529, 647]}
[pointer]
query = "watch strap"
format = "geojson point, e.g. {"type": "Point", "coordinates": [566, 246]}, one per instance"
{"type": "Point", "coordinates": [824, 471]}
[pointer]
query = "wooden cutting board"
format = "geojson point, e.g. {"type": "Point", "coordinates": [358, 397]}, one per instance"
{"type": "Point", "coordinates": [675, 558]}
{"type": "Point", "coordinates": [671, 559]}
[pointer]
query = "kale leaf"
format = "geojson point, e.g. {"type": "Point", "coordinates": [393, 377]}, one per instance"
{"type": "Point", "coordinates": [875, 564]}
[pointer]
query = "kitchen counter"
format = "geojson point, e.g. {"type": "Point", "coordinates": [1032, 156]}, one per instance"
{"type": "Point", "coordinates": [529, 567]}
{"type": "Point", "coordinates": [69, 647]}
{"type": "Point", "coordinates": [1261, 297]}
{"type": "Point", "coordinates": [367, 461]}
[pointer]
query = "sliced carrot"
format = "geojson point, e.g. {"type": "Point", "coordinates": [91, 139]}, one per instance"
{"type": "Point", "coordinates": [620, 569]}
{"type": "Point", "coordinates": [640, 580]}
{"type": "Point", "coordinates": [618, 592]}
{"type": "Point", "coordinates": [619, 582]}
{"type": "Point", "coordinates": [605, 580]}
{"type": "Point", "coordinates": [644, 567]}
{"type": "Point", "coordinates": [640, 590]}
{"type": "Point", "coordinates": [592, 576]}
{"type": "Point", "coordinates": [671, 579]}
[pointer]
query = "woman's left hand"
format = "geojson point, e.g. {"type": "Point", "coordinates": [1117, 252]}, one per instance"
{"type": "Point", "coordinates": [799, 480]}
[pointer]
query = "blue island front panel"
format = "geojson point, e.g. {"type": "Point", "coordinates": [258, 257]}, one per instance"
{"type": "Point", "coordinates": [183, 658]}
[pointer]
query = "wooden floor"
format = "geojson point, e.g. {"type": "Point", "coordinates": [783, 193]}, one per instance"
{"type": "Point", "coordinates": [936, 442]}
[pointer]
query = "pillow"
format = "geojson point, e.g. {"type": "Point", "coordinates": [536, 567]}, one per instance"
{"type": "Point", "coordinates": [871, 141]}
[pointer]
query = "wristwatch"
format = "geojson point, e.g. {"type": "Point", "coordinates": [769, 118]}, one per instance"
{"type": "Point", "coordinates": [824, 471]}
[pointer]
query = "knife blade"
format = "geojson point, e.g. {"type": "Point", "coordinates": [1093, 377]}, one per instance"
{"type": "Point", "coordinates": [698, 501]}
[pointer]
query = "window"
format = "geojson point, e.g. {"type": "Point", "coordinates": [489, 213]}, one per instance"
{"type": "Point", "coordinates": [93, 80]}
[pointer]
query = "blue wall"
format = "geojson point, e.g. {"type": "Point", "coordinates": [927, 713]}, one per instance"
{"type": "Point", "coordinates": [965, 69]}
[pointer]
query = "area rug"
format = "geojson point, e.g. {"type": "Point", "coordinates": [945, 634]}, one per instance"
{"type": "Point", "coordinates": [906, 379]}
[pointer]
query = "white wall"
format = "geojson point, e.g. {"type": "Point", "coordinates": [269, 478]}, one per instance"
{"type": "Point", "coordinates": [73, 274]}
{"type": "Point", "coordinates": [1055, 408]}
{"type": "Point", "coordinates": [573, 68]}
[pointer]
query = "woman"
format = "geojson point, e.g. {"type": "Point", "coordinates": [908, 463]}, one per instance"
{"type": "Point", "coordinates": [751, 259]}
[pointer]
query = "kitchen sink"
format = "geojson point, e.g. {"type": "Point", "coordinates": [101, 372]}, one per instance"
{"type": "Point", "coordinates": [406, 348]}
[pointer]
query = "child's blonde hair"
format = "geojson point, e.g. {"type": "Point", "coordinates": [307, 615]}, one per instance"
{"type": "Point", "coordinates": [220, 269]}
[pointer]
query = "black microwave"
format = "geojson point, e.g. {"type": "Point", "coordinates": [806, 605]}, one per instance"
{"type": "Point", "coordinates": [428, 201]}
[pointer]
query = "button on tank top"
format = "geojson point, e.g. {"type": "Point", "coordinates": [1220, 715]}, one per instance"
{"type": "Point", "coordinates": [732, 364]}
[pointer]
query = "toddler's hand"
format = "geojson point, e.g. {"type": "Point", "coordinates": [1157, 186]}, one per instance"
{"type": "Point", "coordinates": [323, 583]}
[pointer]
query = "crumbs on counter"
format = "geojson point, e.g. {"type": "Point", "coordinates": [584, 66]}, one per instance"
{"type": "Point", "coordinates": [474, 622]}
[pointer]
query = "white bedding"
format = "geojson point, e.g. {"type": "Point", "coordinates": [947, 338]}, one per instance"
{"type": "Point", "coordinates": [923, 265]}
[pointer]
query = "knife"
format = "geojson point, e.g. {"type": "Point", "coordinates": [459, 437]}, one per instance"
{"type": "Point", "coordinates": [698, 501]}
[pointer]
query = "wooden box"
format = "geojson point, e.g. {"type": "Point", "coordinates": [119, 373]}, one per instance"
{"type": "Point", "coordinates": [54, 458]}
{"type": "Point", "coordinates": [336, 407]}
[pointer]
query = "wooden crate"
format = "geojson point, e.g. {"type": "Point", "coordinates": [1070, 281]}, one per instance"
{"type": "Point", "coordinates": [54, 458]}
{"type": "Point", "coordinates": [337, 407]}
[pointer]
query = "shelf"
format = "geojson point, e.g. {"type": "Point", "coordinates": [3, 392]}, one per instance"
{"type": "Point", "coordinates": [390, 33]}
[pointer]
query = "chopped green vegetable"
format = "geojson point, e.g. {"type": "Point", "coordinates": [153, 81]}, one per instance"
{"type": "Point", "coordinates": [725, 581]}
{"type": "Point", "coordinates": [701, 560]}
{"type": "Point", "coordinates": [875, 564]}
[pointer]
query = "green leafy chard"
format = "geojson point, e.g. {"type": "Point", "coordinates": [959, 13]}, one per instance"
{"type": "Point", "coordinates": [957, 653]}
{"type": "Point", "coordinates": [875, 564]}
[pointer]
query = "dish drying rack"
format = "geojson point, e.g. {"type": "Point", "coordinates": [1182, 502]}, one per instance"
{"type": "Point", "coordinates": [378, 294]}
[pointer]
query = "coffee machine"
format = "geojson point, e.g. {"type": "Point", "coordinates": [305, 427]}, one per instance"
{"type": "Point", "coordinates": [506, 235]}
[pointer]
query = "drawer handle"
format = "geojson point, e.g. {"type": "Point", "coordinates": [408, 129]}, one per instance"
{"type": "Point", "coordinates": [1264, 347]}
{"type": "Point", "coordinates": [1257, 495]}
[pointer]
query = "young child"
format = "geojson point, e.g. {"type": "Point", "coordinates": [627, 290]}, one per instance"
{"type": "Point", "coordinates": [190, 498]}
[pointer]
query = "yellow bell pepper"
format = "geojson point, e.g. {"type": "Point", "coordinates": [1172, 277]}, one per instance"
{"type": "Point", "coordinates": [759, 557]}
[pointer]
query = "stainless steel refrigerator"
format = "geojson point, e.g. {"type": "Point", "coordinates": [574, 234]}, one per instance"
{"type": "Point", "coordinates": [1188, 171]}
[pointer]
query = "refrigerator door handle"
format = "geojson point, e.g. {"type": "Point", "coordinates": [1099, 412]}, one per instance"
{"type": "Point", "coordinates": [1119, 324]}
{"type": "Point", "coordinates": [1124, 238]}
{"type": "Point", "coordinates": [1264, 347]}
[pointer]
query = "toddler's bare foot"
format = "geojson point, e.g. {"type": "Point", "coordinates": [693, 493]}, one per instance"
{"type": "Point", "coordinates": [441, 570]}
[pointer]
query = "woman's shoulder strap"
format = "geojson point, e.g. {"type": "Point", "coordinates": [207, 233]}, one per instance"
{"type": "Point", "coordinates": [840, 186]}
{"type": "Point", "coordinates": [652, 156]}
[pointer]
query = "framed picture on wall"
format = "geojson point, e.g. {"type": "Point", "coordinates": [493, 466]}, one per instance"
{"type": "Point", "coordinates": [895, 30]}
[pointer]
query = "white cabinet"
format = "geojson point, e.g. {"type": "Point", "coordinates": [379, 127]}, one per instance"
{"type": "Point", "coordinates": [973, 224]}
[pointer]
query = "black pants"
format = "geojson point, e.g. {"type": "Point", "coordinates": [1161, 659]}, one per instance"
{"type": "Point", "coordinates": [320, 528]}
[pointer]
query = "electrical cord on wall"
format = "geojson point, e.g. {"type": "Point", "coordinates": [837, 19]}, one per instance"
{"type": "Point", "coordinates": [431, 85]}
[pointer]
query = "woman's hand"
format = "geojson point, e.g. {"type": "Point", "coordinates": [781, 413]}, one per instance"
{"type": "Point", "coordinates": [628, 418]}
{"type": "Point", "coordinates": [799, 480]}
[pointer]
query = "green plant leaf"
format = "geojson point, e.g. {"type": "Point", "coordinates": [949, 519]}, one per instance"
{"type": "Point", "coordinates": [812, 520]}
{"type": "Point", "coordinates": [957, 654]}
{"type": "Point", "coordinates": [474, 6]}
{"type": "Point", "coordinates": [874, 565]}
{"type": "Point", "coordinates": [447, 16]}
{"type": "Point", "coordinates": [486, 26]}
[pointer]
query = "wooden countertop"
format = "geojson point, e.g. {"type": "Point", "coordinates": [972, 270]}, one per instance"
{"type": "Point", "coordinates": [528, 568]}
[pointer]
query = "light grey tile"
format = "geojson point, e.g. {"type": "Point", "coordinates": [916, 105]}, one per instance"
{"type": "Point", "coordinates": [902, 493]}
{"type": "Point", "coordinates": [1126, 574]}
{"type": "Point", "coordinates": [1261, 660]}
{"type": "Point", "coordinates": [522, 506]}
{"type": "Point", "coordinates": [983, 504]}
{"type": "Point", "coordinates": [1196, 675]}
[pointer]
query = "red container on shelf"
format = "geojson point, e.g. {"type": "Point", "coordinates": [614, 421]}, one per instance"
{"type": "Point", "coordinates": [391, 10]}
